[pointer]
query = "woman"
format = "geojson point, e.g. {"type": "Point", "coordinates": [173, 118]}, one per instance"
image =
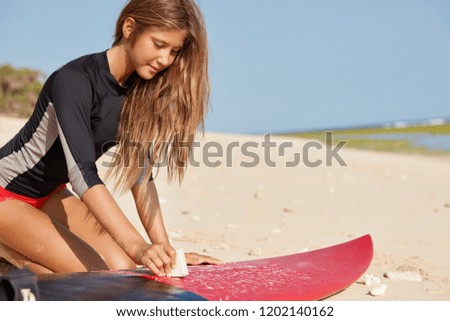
{"type": "Point", "coordinates": [150, 90]}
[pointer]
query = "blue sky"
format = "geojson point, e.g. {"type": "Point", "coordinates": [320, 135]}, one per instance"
{"type": "Point", "coordinates": [280, 65]}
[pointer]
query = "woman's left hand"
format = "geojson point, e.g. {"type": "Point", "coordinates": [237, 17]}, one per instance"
{"type": "Point", "coordinates": [197, 259]}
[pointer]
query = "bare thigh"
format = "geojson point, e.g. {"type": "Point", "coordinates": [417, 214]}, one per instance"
{"type": "Point", "coordinates": [30, 236]}
{"type": "Point", "coordinates": [21, 261]}
{"type": "Point", "coordinates": [71, 212]}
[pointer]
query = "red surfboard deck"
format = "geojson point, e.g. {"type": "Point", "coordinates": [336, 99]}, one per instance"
{"type": "Point", "coordinates": [312, 275]}
{"type": "Point", "coordinates": [308, 276]}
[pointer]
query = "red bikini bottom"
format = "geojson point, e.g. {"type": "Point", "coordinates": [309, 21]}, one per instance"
{"type": "Point", "coordinates": [36, 202]}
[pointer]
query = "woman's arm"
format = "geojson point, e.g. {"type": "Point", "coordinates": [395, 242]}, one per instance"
{"type": "Point", "coordinates": [157, 257]}
{"type": "Point", "coordinates": [151, 218]}
{"type": "Point", "coordinates": [154, 225]}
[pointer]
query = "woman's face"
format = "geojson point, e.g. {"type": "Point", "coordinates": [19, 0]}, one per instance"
{"type": "Point", "coordinates": [155, 50]}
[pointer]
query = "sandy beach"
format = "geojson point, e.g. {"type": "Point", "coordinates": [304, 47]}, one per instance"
{"type": "Point", "coordinates": [226, 210]}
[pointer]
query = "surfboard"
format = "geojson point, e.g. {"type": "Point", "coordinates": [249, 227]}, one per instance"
{"type": "Point", "coordinates": [108, 286]}
{"type": "Point", "coordinates": [308, 276]}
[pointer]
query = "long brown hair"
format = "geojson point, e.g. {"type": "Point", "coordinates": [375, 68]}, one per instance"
{"type": "Point", "coordinates": [162, 114]}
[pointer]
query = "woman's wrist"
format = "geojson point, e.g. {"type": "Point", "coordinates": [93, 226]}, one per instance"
{"type": "Point", "coordinates": [161, 237]}
{"type": "Point", "coordinates": [135, 250]}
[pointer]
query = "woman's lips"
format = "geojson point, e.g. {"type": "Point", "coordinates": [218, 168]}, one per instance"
{"type": "Point", "coordinates": [154, 69]}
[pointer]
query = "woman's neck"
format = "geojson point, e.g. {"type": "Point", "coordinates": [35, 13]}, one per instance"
{"type": "Point", "coordinates": [119, 63]}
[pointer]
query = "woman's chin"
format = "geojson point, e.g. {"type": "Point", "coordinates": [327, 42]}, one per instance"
{"type": "Point", "coordinates": [146, 74]}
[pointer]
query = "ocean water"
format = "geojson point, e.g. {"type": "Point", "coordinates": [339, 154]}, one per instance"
{"type": "Point", "coordinates": [440, 142]}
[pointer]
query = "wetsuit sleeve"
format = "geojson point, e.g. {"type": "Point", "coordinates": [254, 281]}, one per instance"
{"type": "Point", "coordinates": [72, 99]}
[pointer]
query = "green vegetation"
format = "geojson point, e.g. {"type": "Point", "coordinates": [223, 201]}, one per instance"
{"type": "Point", "coordinates": [19, 90]}
{"type": "Point", "coordinates": [362, 138]}
{"type": "Point", "coordinates": [425, 129]}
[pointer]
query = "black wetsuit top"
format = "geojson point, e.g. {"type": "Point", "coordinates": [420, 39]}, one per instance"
{"type": "Point", "coordinates": [74, 122]}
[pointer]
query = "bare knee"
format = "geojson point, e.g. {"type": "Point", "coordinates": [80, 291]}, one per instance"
{"type": "Point", "coordinates": [121, 262]}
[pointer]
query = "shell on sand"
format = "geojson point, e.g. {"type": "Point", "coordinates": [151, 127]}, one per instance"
{"type": "Point", "coordinates": [257, 251]}
{"type": "Point", "coordinates": [379, 290]}
{"type": "Point", "coordinates": [404, 276]}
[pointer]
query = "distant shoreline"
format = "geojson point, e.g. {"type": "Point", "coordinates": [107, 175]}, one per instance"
{"type": "Point", "coordinates": [398, 124]}
{"type": "Point", "coordinates": [401, 139]}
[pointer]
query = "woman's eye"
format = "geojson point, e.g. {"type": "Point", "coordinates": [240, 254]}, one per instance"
{"type": "Point", "coordinates": [158, 45]}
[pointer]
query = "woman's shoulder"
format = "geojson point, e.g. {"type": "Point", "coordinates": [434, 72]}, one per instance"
{"type": "Point", "coordinates": [79, 69]}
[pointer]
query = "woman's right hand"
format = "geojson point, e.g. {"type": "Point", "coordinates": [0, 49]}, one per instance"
{"type": "Point", "coordinates": [160, 258]}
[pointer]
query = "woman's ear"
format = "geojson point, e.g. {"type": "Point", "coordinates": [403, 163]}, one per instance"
{"type": "Point", "coordinates": [128, 27]}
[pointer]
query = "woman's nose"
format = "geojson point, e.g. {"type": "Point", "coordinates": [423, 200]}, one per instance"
{"type": "Point", "coordinates": [164, 59]}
